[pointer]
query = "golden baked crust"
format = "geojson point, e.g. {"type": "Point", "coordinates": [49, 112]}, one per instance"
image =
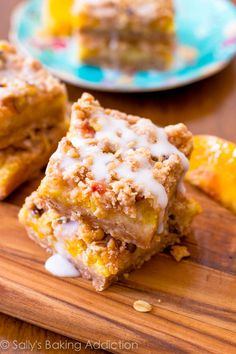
{"type": "Point", "coordinates": [119, 171]}
{"type": "Point", "coordinates": [30, 97]}
{"type": "Point", "coordinates": [97, 255]}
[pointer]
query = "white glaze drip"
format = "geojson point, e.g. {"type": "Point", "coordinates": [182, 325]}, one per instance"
{"type": "Point", "coordinates": [66, 230]}
{"type": "Point", "coordinates": [145, 180]}
{"type": "Point", "coordinates": [61, 266]}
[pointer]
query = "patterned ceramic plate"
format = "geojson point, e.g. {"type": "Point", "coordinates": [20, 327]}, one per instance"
{"type": "Point", "coordinates": [207, 42]}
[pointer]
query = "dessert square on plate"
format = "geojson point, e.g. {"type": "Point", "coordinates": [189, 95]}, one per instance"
{"type": "Point", "coordinates": [97, 255]}
{"type": "Point", "coordinates": [32, 117]}
{"type": "Point", "coordinates": [120, 172]}
{"type": "Point", "coordinates": [126, 33]}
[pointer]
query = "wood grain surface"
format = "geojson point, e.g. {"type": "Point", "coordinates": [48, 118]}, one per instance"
{"type": "Point", "coordinates": [193, 301]}
{"type": "Point", "coordinates": [197, 309]}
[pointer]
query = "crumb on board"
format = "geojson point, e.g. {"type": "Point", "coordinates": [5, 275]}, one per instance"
{"type": "Point", "coordinates": [179, 252]}
{"type": "Point", "coordinates": [142, 306]}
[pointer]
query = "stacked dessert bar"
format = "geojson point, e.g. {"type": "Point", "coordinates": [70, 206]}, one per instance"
{"type": "Point", "coordinates": [113, 194]}
{"type": "Point", "coordinates": [32, 117]}
{"type": "Point", "coordinates": [127, 33]}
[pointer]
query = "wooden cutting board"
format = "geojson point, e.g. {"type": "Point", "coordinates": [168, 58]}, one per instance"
{"type": "Point", "coordinates": [194, 302]}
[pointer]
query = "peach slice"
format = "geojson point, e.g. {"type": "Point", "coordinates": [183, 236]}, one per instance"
{"type": "Point", "coordinates": [213, 169]}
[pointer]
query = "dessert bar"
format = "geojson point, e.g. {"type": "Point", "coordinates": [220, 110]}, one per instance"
{"type": "Point", "coordinates": [120, 172]}
{"type": "Point", "coordinates": [32, 117]}
{"type": "Point", "coordinates": [126, 33]}
{"type": "Point", "coordinates": [113, 194]}
{"type": "Point", "coordinates": [97, 255]}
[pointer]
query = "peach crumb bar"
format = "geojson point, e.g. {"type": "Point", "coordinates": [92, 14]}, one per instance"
{"type": "Point", "coordinates": [96, 254]}
{"type": "Point", "coordinates": [30, 97]}
{"type": "Point", "coordinates": [125, 33]}
{"type": "Point", "coordinates": [120, 172]}
{"type": "Point", "coordinates": [32, 108]}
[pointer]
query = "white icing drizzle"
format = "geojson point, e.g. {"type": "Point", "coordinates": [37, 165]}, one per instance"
{"type": "Point", "coordinates": [61, 266]}
{"type": "Point", "coordinates": [145, 179]}
{"type": "Point", "coordinates": [66, 230]}
{"type": "Point", "coordinates": [146, 11]}
{"type": "Point", "coordinates": [99, 8]}
{"type": "Point", "coordinates": [69, 164]}
{"type": "Point", "coordinates": [119, 132]}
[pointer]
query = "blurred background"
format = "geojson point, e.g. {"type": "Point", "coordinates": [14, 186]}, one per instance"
{"type": "Point", "coordinates": [206, 107]}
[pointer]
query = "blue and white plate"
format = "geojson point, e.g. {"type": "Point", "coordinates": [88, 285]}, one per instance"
{"type": "Point", "coordinates": [206, 32]}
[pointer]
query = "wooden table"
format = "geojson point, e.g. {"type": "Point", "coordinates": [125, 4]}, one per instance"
{"type": "Point", "coordinates": [206, 107]}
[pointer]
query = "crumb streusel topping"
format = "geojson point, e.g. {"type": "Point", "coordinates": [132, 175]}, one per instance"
{"type": "Point", "coordinates": [143, 10]}
{"type": "Point", "coordinates": [23, 75]}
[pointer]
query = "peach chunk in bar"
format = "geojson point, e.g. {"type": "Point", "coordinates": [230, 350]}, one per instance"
{"type": "Point", "coordinates": [120, 172]}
